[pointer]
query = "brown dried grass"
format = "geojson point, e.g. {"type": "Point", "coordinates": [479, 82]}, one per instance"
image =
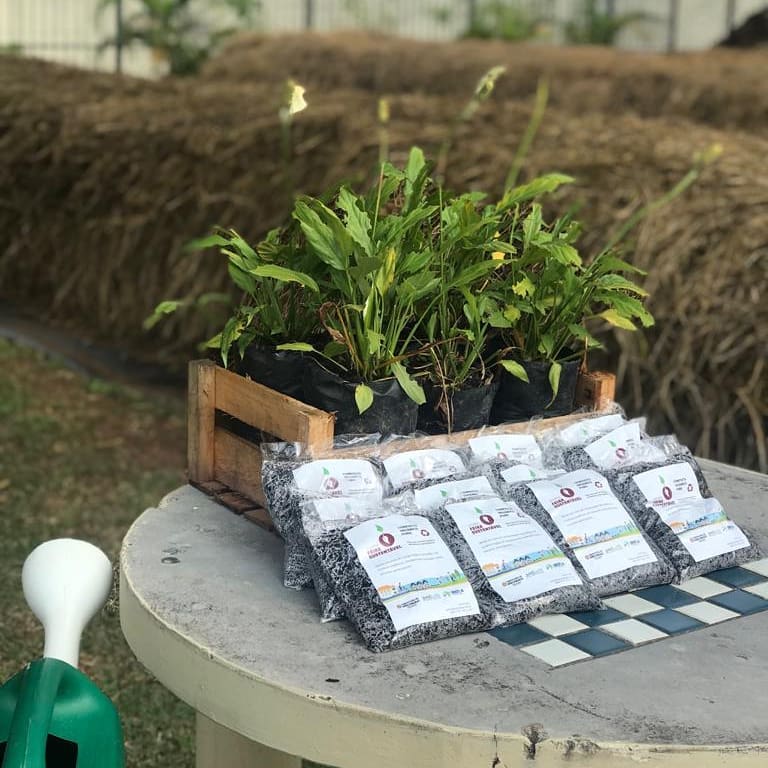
{"type": "Point", "coordinates": [103, 180]}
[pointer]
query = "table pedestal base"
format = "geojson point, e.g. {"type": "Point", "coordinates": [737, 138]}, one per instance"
{"type": "Point", "coordinates": [218, 747]}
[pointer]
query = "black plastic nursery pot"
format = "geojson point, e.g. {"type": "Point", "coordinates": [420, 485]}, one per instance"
{"type": "Point", "coordinates": [392, 412]}
{"type": "Point", "coordinates": [518, 400]}
{"type": "Point", "coordinates": [470, 408]}
{"type": "Point", "coordinates": [280, 370]}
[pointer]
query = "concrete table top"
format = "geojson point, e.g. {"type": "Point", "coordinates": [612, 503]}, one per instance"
{"type": "Point", "coordinates": [204, 609]}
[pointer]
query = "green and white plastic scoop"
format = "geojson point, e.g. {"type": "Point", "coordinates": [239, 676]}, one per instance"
{"type": "Point", "coordinates": [51, 714]}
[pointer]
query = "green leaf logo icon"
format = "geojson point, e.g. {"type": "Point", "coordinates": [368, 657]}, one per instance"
{"type": "Point", "coordinates": [325, 471]}
{"type": "Point", "coordinates": [497, 446]}
{"type": "Point", "coordinates": [661, 480]}
{"type": "Point", "coordinates": [379, 529]}
{"type": "Point", "coordinates": [478, 510]}
{"type": "Point", "coordinates": [443, 493]}
{"type": "Point", "coordinates": [613, 445]}
{"type": "Point", "coordinates": [413, 463]}
{"type": "Point", "coordinates": [533, 474]}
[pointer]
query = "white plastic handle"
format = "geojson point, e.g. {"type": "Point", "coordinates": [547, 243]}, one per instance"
{"type": "Point", "coordinates": [65, 581]}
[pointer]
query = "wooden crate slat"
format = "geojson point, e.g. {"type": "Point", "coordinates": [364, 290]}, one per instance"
{"type": "Point", "coordinates": [238, 464]}
{"type": "Point", "coordinates": [201, 409]}
{"type": "Point", "coordinates": [271, 411]}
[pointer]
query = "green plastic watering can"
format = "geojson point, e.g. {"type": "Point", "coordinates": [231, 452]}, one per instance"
{"type": "Point", "coordinates": [51, 714]}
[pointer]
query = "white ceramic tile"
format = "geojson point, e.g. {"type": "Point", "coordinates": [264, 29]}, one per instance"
{"type": "Point", "coordinates": [761, 589]}
{"type": "Point", "coordinates": [759, 566]}
{"type": "Point", "coordinates": [558, 624]}
{"type": "Point", "coordinates": [556, 652]}
{"type": "Point", "coordinates": [632, 605]}
{"type": "Point", "coordinates": [707, 612]}
{"type": "Point", "coordinates": [633, 631]}
{"type": "Point", "coordinates": [703, 588]}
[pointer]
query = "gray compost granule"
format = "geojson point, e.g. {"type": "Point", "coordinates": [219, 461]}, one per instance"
{"type": "Point", "coordinates": [284, 499]}
{"type": "Point", "coordinates": [633, 577]}
{"type": "Point", "coordinates": [686, 566]}
{"type": "Point", "coordinates": [341, 567]}
{"type": "Point", "coordinates": [581, 597]}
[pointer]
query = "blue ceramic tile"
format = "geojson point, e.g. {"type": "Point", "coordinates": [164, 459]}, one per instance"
{"type": "Point", "coordinates": [671, 622]}
{"type": "Point", "coordinates": [666, 596]}
{"type": "Point", "coordinates": [597, 618]}
{"type": "Point", "coordinates": [739, 601]}
{"type": "Point", "coordinates": [595, 642]}
{"type": "Point", "coordinates": [519, 634]}
{"type": "Point", "coordinates": [736, 577]}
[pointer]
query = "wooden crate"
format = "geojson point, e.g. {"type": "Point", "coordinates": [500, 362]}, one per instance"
{"type": "Point", "coordinates": [229, 468]}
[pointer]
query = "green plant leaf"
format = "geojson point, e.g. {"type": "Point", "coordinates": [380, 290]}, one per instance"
{"type": "Point", "coordinates": [409, 385]}
{"type": "Point", "coordinates": [563, 252]}
{"type": "Point", "coordinates": [161, 310]}
{"type": "Point", "coordinates": [296, 346]}
{"type": "Point", "coordinates": [320, 236]}
{"type": "Point", "coordinates": [334, 349]}
{"type": "Point", "coordinates": [363, 397]}
{"type": "Point", "coordinates": [611, 263]}
{"type": "Point", "coordinates": [284, 275]}
{"type": "Point", "coordinates": [358, 222]}
{"type": "Point", "coordinates": [614, 318]}
{"type": "Point", "coordinates": [201, 243]}
{"type": "Point", "coordinates": [511, 313]}
{"type": "Point", "coordinates": [554, 379]}
{"type": "Point", "coordinates": [540, 186]}
{"type": "Point", "coordinates": [241, 279]}
{"type": "Point", "coordinates": [517, 370]}
{"type": "Point", "coordinates": [618, 283]}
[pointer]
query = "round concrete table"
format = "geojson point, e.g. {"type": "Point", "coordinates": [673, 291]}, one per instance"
{"type": "Point", "coordinates": [203, 608]}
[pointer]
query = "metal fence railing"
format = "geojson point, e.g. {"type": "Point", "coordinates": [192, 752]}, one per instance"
{"type": "Point", "coordinates": [75, 31]}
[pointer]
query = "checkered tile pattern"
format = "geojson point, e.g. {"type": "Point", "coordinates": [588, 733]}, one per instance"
{"type": "Point", "coordinates": [642, 617]}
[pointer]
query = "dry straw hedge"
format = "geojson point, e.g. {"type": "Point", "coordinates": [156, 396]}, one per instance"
{"type": "Point", "coordinates": [102, 181]}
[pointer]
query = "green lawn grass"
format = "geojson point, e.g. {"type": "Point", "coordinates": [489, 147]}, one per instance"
{"type": "Point", "coordinates": [84, 459]}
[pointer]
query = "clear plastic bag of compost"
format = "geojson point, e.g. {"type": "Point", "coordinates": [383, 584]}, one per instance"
{"type": "Point", "coordinates": [673, 503]}
{"type": "Point", "coordinates": [398, 581]}
{"type": "Point", "coordinates": [424, 467]}
{"type": "Point", "coordinates": [598, 530]}
{"type": "Point", "coordinates": [507, 458]}
{"type": "Point", "coordinates": [557, 440]}
{"type": "Point", "coordinates": [516, 567]}
{"type": "Point", "coordinates": [321, 517]}
{"type": "Point", "coordinates": [291, 476]}
{"type": "Point", "coordinates": [620, 447]}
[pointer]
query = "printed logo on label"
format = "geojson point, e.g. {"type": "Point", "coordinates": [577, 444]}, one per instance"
{"type": "Point", "coordinates": [416, 472]}
{"type": "Point", "coordinates": [499, 453]}
{"type": "Point", "coordinates": [568, 493]}
{"type": "Point", "coordinates": [487, 519]}
{"type": "Point", "coordinates": [386, 539]}
{"type": "Point", "coordinates": [424, 532]}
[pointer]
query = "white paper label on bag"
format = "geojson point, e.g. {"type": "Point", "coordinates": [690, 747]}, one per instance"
{"type": "Point", "coordinates": [517, 556]}
{"type": "Point", "coordinates": [586, 430]}
{"type": "Point", "coordinates": [525, 473]}
{"type": "Point", "coordinates": [453, 491]}
{"type": "Point", "coordinates": [428, 464]}
{"type": "Point", "coordinates": [412, 569]}
{"type": "Point", "coordinates": [593, 522]}
{"type": "Point", "coordinates": [622, 446]}
{"type": "Point", "coordinates": [339, 477]}
{"type": "Point", "coordinates": [701, 524]}
{"type": "Point", "coordinates": [517, 448]}
{"type": "Point", "coordinates": [343, 511]}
